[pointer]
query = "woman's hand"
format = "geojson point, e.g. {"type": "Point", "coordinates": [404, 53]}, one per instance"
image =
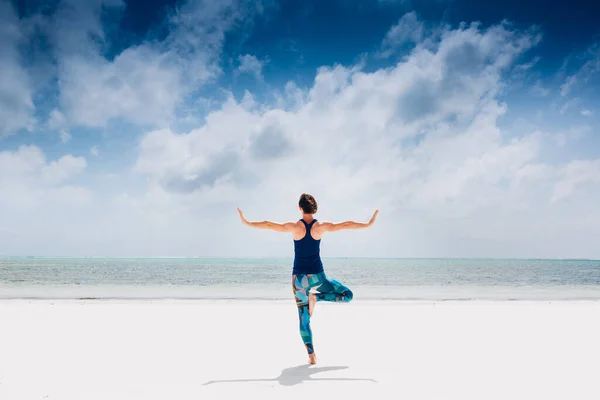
{"type": "Point", "coordinates": [244, 221]}
{"type": "Point", "coordinates": [372, 220]}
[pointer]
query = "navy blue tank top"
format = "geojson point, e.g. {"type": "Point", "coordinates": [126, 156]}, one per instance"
{"type": "Point", "coordinates": [307, 259]}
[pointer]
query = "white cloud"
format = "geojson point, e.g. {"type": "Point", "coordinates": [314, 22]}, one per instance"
{"type": "Point", "coordinates": [16, 94]}
{"type": "Point", "coordinates": [251, 65]}
{"type": "Point", "coordinates": [42, 207]}
{"type": "Point", "coordinates": [571, 134]}
{"type": "Point", "coordinates": [138, 85]}
{"type": "Point", "coordinates": [586, 113]}
{"type": "Point", "coordinates": [587, 71]}
{"type": "Point", "coordinates": [420, 141]}
{"type": "Point", "coordinates": [22, 162]}
{"type": "Point", "coordinates": [135, 86]}
{"type": "Point", "coordinates": [27, 179]}
{"type": "Point", "coordinates": [565, 88]}
{"type": "Point", "coordinates": [84, 18]}
{"type": "Point", "coordinates": [62, 169]}
{"type": "Point", "coordinates": [58, 122]}
{"type": "Point", "coordinates": [94, 151]}
{"type": "Point", "coordinates": [408, 29]}
{"type": "Point", "coordinates": [576, 174]}
{"type": "Point", "coordinates": [539, 90]}
{"type": "Point", "coordinates": [144, 84]}
{"type": "Point", "coordinates": [528, 65]}
{"type": "Point", "coordinates": [568, 104]}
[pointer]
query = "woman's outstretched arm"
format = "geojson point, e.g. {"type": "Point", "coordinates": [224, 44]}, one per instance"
{"type": "Point", "coordinates": [334, 227]}
{"type": "Point", "coordinates": [274, 226]}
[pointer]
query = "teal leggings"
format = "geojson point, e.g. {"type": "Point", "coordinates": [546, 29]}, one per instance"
{"type": "Point", "coordinates": [325, 290]}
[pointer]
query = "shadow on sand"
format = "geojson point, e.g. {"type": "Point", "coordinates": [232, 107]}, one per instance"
{"type": "Point", "coordinates": [296, 375]}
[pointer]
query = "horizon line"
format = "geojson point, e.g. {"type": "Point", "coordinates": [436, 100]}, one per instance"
{"type": "Point", "coordinates": [291, 257]}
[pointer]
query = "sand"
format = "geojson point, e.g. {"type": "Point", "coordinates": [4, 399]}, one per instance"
{"type": "Point", "coordinates": [85, 350]}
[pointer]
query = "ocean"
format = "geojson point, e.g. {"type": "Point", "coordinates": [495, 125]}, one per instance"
{"type": "Point", "coordinates": [270, 278]}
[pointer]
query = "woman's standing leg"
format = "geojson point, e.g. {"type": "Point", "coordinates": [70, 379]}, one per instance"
{"type": "Point", "coordinates": [301, 287]}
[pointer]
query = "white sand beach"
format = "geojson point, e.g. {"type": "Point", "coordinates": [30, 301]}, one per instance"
{"type": "Point", "coordinates": [85, 350]}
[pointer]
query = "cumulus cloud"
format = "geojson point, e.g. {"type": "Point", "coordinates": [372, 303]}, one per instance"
{"type": "Point", "coordinates": [576, 174]}
{"type": "Point", "coordinates": [352, 120]}
{"type": "Point", "coordinates": [63, 169]}
{"type": "Point", "coordinates": [16, 93]}
{"type": "Point", "coordinates": [206, 157]}
{"type": "Point", "coordinates": [143, 84]}
{"type": "Point", "coordinates": [408, 29]}
{"type": "Point", "coordinates": [572, 134]}
{"type": "Point", "coordinates": [250, 64]}
{"type": "Point", "coordinates": [43, 206]}
{"type": "Point", "coordinates": [58, 122]}
{"type": "Point", "coordinates": [134, 87]}
{"type": "Point", "coordinates": [420, 140]}
{"type": "Point", "coordinates": [271, 143]}
{"type": "Point", "coordinates": [27, 179]}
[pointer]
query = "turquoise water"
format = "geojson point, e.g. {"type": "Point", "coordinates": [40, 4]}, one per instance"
{"type": "Point", "coordinates": [269, 278]}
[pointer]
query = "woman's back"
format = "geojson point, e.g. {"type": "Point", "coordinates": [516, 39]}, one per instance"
{"type": "Point", "coordinates": [307, 257]}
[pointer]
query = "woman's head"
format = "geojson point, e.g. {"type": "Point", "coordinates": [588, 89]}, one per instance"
{"type": "Point", "coordinates": [307, 204]}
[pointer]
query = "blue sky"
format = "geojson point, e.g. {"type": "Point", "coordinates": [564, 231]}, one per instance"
{"type": "Point", "coordinates": [134, 128]}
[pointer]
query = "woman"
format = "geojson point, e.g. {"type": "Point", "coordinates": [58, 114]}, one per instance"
{"type": "Point", "coordinates": [309, 282]}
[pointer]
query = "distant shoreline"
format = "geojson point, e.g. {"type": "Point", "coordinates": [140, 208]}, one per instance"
{"type": "Point", "coordinates": [282, 301]}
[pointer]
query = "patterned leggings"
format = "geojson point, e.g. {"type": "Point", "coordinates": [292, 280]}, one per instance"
{"type": "Point", "coordinates": [325, 290]}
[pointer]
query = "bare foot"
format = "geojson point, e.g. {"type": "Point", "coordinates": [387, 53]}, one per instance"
{"type": "Point", "coordinates": [312, 300]}
{"type": "Point", "coordinates": [312, 359]}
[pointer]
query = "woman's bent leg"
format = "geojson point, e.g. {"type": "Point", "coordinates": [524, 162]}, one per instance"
{"type": "Point", "coordinates": [332, 290]}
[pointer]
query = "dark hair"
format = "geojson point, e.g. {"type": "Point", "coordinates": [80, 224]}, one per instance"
{"type": "Point", "coordinates": [308, 203]}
